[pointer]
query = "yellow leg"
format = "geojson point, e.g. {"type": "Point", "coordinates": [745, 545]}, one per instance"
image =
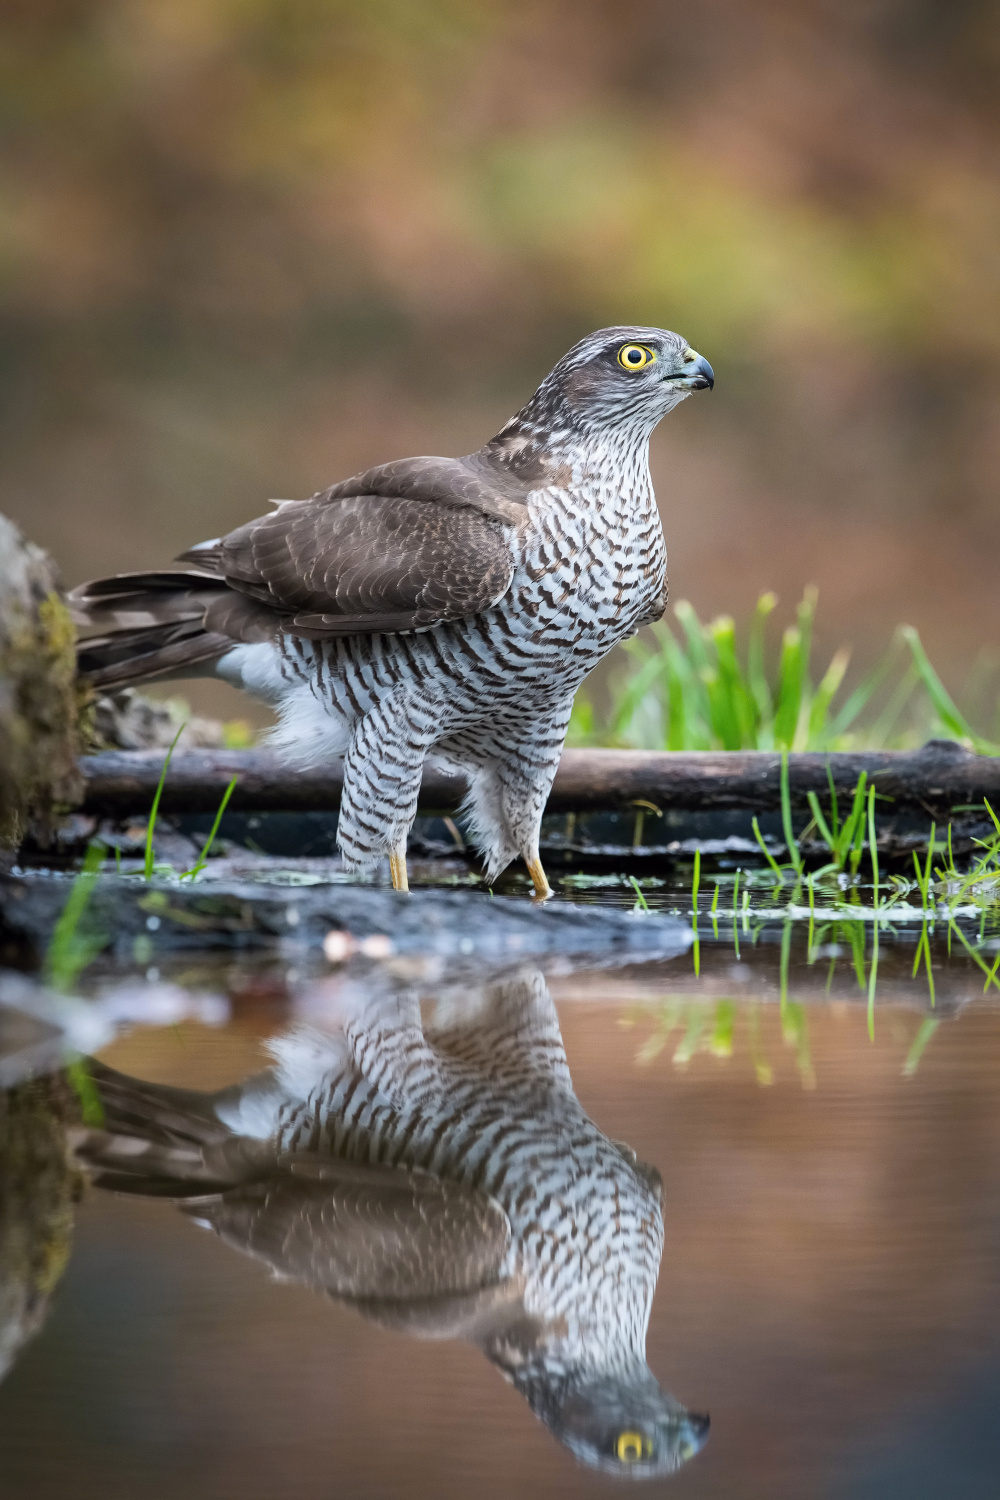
{"type": "Point", "coordinates": [538, 879]}
{"type": "Point", "coordinates": [397, 864]}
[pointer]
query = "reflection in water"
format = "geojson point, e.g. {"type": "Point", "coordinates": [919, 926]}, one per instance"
{"type": "Point", "coordinates": [38, 1186]}
{"type": "Point", "coordinates": [442, 1179]}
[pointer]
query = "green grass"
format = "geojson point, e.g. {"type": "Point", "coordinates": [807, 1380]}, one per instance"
{"type": "Point", "coordinates": [148, 868]}
{"type": "Point", "coordinates": [847, 912]}
{"type": "Point", "coordinates": [855, 915]}
{"type": "Point", "coordinates": [696, 690]}
{"type": "Point", "coordinates": [202, 859]}
{"type": "Point", "coordinates": [695, 687]}
{"type": "Point", "coordinates": [71, 947]}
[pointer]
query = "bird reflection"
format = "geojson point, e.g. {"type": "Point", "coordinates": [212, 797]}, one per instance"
{"type": "Point", "coordinates": [439, 1176]}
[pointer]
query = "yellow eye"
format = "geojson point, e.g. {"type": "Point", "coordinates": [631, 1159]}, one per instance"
{"type": "Point", "coordinates": [632, 1445]}
{"type": "Point", "coordinates": [635, 356]}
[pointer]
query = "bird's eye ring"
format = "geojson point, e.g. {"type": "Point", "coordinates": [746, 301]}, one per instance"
{"type": "Point", "coordinates": [631, 1446]}
{"type": "Point", "coordinates": [635, 356]}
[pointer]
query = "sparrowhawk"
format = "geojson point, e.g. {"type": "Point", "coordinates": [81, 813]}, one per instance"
{"type": "Point", "coordinates": [441, 1178]}
{"type": "Point", "coordinates": [432, 606]}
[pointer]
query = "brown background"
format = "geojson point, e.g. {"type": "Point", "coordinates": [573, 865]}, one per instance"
{"type": "Point", "coordinates": [250, 246]}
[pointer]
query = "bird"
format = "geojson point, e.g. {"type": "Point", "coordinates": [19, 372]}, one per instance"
{"type": "Point", "coordinates": [431, 607]}
{"type": "Point", "coordinates": [441, 1178]}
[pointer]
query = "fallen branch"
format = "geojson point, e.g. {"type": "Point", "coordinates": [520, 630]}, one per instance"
{"type": "Point", "coordinates": [937, 778]}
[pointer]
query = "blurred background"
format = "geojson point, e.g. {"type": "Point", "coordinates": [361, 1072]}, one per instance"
{"type": "Point", "coordinates": [248, 247]}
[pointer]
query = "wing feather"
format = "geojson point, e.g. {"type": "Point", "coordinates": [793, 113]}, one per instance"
{"type": "Point", "coordinates": [424, 541]}
{"type": "Point", "coordinates": [364, 1231]}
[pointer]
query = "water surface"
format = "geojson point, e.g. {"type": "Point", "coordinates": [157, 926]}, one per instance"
{"type": "Point", "coordinates": [828, 1290]}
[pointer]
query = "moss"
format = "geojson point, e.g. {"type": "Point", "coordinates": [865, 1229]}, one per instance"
{"type": "Point", "coordinates": [39, 1187]}
{"type": "Point", "coordinates": [39, 699]}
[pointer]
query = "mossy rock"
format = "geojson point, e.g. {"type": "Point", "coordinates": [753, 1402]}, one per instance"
{"type": "Point", "coordinates": [39, 1187]}
{"type": "Point", "coordinates": [39, 701]}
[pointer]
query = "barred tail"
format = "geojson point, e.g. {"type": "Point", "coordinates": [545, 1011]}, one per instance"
{"type": "Point", "coordinates": [162, 1142]}
{"type": "Point", "coordinates": [154, 625]}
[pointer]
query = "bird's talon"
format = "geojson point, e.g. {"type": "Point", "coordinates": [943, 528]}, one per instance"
{"type": "Point", "coordinates": [397, 868]}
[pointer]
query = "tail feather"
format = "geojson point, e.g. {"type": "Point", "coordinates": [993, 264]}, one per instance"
{"type": "Point", "coordinates": [163, 1142]}
{"type": "Point", "coordinates": [157, 624]}
{"type": "Point", "coordinates": [126, 657]}
{"type": "Point", "coordinates": [159, 1113]}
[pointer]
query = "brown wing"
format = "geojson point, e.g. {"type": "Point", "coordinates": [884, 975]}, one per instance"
{"type": "Point", "coordinates": [365, 1232]}
{"type": "Point", "coordinates": [399, 548]}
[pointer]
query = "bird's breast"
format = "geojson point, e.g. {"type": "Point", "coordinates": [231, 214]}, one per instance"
{"type": "Point", "coordinates": [596, 560]}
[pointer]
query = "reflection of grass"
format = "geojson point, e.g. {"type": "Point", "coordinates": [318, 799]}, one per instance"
{"type": "Point", "coordinates": [928, 1026]}
{"type": "Point", "coordinates": [694, 689]}
{"type": "Point", "coordinates": [70, 950]}
{"type": "Point", "coordinates": [945, 891]}
{"type": "Point", "coordinates": [795, 1032]}
{"type": "Point", "coordinates": [690, 690]}
{"type": "Point", "coordinates": [711, 1029]}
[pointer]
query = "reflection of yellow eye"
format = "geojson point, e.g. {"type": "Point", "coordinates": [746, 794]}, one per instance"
{"type": "Point", "coordinates": [635, 356]}
{"type": "Point", "coordinates": [632, 1445]}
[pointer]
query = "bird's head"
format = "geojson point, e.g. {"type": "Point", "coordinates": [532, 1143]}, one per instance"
{"type": "Point", "coordinates": [620, 1423]}
{"type": "Point", "coordinates": [622, 379]}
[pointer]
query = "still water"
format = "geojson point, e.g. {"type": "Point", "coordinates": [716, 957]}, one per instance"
{"type": "Point", "coordinates": [809, 1218]}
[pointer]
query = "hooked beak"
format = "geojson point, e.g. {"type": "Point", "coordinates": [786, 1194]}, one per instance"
{"type": "Point", "coordinates": [695, 1435]}
{"type": "Point", "coordinates": [699, 1423]}
{"type": "Point", "coordinates": [698, 374]}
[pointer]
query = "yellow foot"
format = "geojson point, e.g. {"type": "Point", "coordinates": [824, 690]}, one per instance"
{"type": "Point", "coordinates": [397, 864]}
{"type": "Point", "coordinates": [538, 879]}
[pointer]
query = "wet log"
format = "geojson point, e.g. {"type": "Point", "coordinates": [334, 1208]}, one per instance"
{"type": "Point", "coordinates": [253, 915]}
{"type": "Point", "coordinates": [937, 778]}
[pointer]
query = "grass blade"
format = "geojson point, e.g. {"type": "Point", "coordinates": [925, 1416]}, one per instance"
{"type": "Point", "coordinates": [756, 672]}
{"type": "Point", "coordinates": [806, 614]}
{"type": "Point", "coordinates": [786, 716]}
{"type": "Point", "coordinates": [944, 706]}
{"type": "Point", "coordinates": [820, 821]}
{"type": "Point", "coordinates": [819, 729]}
{"type": "Point", "coordinates": [68, 952]}
{"type": "Point", "coordinates": [873, 846]}
{"type": "Point", "coordinates": [740, 710]}
{"type": "Point", "coordinates": [786, 816]}
{"type": "Point", "coordinates": [857, 701]}
{"type": "Point", "coordinates": [154, 810]}
{"type": "Point", "coordinates": [766, 851]}
{"type": "Point", "coordinates": [927, 1028]}
{"type": "Point", "coordinates": [202, 859]}
{"type": "Point", "coordinates": [695, 634]}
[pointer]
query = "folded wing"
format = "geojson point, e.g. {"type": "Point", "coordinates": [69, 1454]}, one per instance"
{"type": "Point", "coordinates": [423, 542]}
{"type": "Point", "coordinates": [364, 1231]}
